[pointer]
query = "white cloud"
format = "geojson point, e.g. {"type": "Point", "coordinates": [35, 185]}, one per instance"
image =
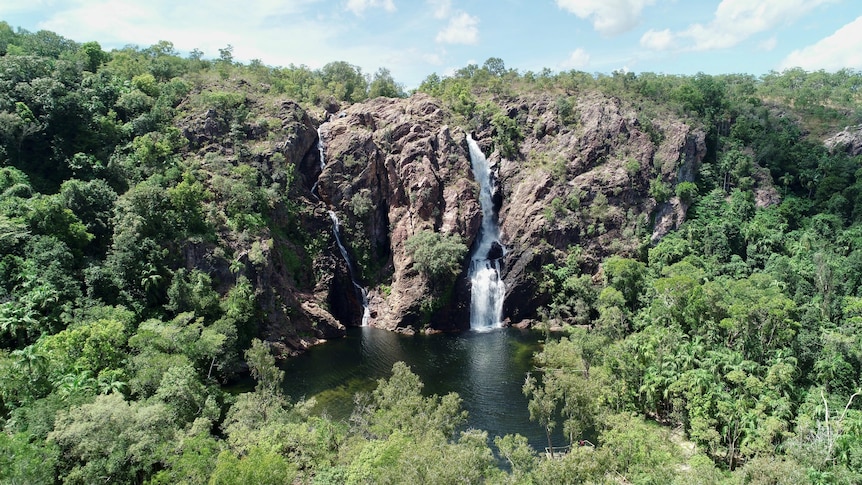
{"type": "Point", "coordinates": [609, 17]}
{"type": "Point", "coordinates": [843, 49]}
{"type": "Point", "coordinates": [578, 59]}
{"type": "Point", "coordinates": [267, 31]}
{"type": "Point", "coordinates": [359, 7]}
{"type": "Point", "coordinates": [442, 8]}
{"type": "Point", "coordinates": [463, 28]}
{"type": "Point", "coordinates": [768, 44]}
{"type": "Point", "coordinates": [8, 9]}
{"type": "Point", "coordinates": [433, 58]}
{"type": "Point", "coordinates": [278, 32]}
{"type": "Point", "coordinates": [734, 22]}
{"type": "Point", "coordinates": [657, 39]}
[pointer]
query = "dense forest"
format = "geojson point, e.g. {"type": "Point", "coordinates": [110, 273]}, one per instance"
{"type": "Point", "coordinates": [727, 351]}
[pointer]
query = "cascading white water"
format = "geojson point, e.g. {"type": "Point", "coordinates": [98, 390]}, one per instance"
{"type": "Point", "coordinates": [487, 288]}
{"type": "Point", "coordinates": [361, 292]}
{"type": "Point", "coordinates": [322, 158]}
{"type": "Point", "coordinates": [320, 146]}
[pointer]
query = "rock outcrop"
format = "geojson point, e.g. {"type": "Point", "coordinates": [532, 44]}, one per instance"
{"type": "Point", "coordinates": [394, 168]}
{"type": "Point", "coordinates": [291, 316]}
{"type": "Point", "coordinates": [849, 141]}
{"type": "Point", "coordinates": [586, 181]}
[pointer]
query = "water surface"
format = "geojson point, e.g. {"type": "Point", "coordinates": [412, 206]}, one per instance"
{"type": "Point", "coordinates": [487, 369]}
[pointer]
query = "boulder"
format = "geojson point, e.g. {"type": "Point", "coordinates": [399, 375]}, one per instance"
{"type": "Point", "coordinates": [848, 140]}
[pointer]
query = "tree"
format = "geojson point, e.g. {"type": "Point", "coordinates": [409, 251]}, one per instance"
{"type": "Point", "coordinates": [93, 204]}
{"type": "Point", "coordinates": [111, 439]}
{"type": "Point", "coordinates": [344, 81]}
{"type": "Point", "coordinates": [92, 347]}
{"type": "Point", "coordinates": [182, 391]}
{"type": "Point", "coordinates": [398, 405]}
{"type": "Point", "coordinates": [636, 450]}
{"type": "Point", "coordinates": [436, 255]}
{"type": "Point", "coordinates": [92, 55]}
{"type": "Point", "coordinates": [507, 135]}
{"type": "Point", "coordinates": [614, 317]}
{"type": "Point", "coordinates": [23, 461]}
{"type": "Point", "coordinates": [192, 461]}
{"type": "Point", "coordinates": [382, 84]}
{"type": "Point", "coordinates": [626, 275]}
{"type": "Point", "coordinates": [517, 451]}
{"type": "Point", "coordinates": [495, 66]}
{"type": "Point", "coordinates": [261, 363]}
{"type": "Point", "coordinates": [259, 466]}
{"type": "Point", "coordinates": [542, 407]}
{"type": "Point", "coordinates": [686, 191]}
{"type": "Point", "coordinates": [192, 291]}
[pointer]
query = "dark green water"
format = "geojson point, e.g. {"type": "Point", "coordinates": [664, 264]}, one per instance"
{"type": "Point", "coordinates": [487, 369]}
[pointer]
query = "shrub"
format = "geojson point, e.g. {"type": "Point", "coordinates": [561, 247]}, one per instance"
{"type": "Point", "coordinates": [438, 256]}
{"type": "Point", "coordinates": [659, 190]}
{"type": "Point", "coordinates": [508, 135]}
{"type": "Point", "coordinates": [686, 191]}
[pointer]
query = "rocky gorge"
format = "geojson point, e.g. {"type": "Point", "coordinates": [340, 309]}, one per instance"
{"type": "Point", "coordinates": [396, 167]}
{"type": "Point", "coordinates": [599, 174]}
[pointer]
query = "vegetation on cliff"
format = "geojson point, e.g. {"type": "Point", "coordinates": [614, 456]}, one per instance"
{"type": "Point", "coordinates": [157, 222]}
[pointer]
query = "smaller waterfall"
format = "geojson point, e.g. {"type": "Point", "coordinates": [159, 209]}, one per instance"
{"type": "Point", "coordinates": [320, 146]}
{"type": "Point", "coordinates": [361, 292]}
{"type": "Point", "coordinates": [487, 288]}
{"type": "Point", "coordinates": [322, 159]}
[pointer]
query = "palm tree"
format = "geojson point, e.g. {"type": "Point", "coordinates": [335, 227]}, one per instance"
{"type": "Point", "coordinates": [30, 359]}
{"type": "Point", "coordinates": [110, 382]}
{"type": "Point", "coordinates": [71, 384]}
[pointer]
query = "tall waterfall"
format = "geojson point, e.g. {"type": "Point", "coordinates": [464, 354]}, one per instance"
{"type": "Point", "coordinates": [361, 292]}
{"type": "Point", "coordinates": [487, 288]}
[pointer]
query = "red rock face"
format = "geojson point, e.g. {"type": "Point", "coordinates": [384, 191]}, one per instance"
{"type": "Point", "coordinates": [394, 168]}
{"type": "Point", "coordinates": [584, 181]}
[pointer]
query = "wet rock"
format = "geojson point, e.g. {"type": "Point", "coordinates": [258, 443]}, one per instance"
{"type": "Point", "coordinates": [496, 251]}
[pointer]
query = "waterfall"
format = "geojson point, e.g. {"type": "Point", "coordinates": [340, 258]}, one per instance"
{"type": "Point", "coordinates": [322, 159]}
{"type": "Point", "coordinates": [487, 288]}
{"type": "Point", "coordinates": [361, 292]}
{"type": "Point", "coordinates": [320, 147]}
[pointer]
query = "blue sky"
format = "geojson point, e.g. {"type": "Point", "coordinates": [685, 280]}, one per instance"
{"type": "Point", "coordinates": [413, 38]}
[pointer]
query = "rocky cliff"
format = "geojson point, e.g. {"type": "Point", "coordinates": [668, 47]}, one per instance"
{"type": "Point", "coordinates": [585, 179]}
{"type": "Point", "coordinates": [393, 168]}
{"type": "Point", "coordinates": [848, 140]}
{"type": "Point", "coordinates": [589, 178]}
{"type": "Point", "coordinates": [597, 174]}
{"type": "Point", "coordinates": [291, 314]}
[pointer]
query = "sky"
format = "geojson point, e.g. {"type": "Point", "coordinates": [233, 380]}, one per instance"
{"type": "Point", "coordinates": [414, 38]}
